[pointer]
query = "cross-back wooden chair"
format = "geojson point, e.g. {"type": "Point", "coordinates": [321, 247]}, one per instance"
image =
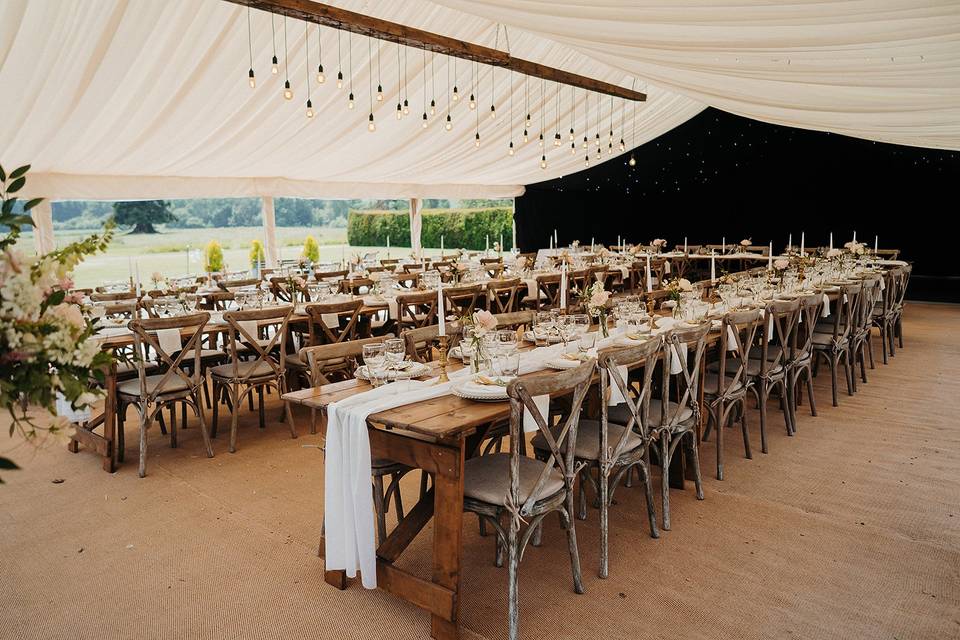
{"type": "Point", "coordinates": [579, 280]}
{"type": "Point", "coordinates": [675, 421]}
{"type": "Point", "coordinates": [514, 320]}
{"type": "Point", "coordinates": [284, 291]}
{"type": "Point", "coordinates": [461, 301]}
{"type": "Point", "coordinates": [831, 339]}
{"type": "Point", "coordinates": [503, 296]}
{"type": "Point", "coordinates": [905, 273]}
{"type": "Point", "coordinates": [390, 262]}
{"type": "Point", "coordinates": [409, 280]}
{"type": "Point", "coordinates": [419, 342]}
{"type": "Point", "coordinates": [98, 296]}
{"type": "Point", "coordinates": [726, 383]}
{"type": "Point", "coordinates": [524, 489]}
{"type": "Point", "coordinates": [356, 286]}
{"type": "Point", "coordinates": [329, 363]}
{"type": "Point", "coordinates": [549, 288]}
{"type": "Point", "coordinates": [860, 342]}
{"type": "Point", "coordinates": [333, 322]}
{"type": "Point", "coordinates": [888, 254]}
{"type": "Point", "coordinates": [330, 276]}
{"type": "Point", "coordinates": [609, 277]}
{"type": "Point", "coordinates": [493, 266]}
{"type": "Point", "coordinates": [801, 353]}
{"type": "Point", "coordinates": [265, 367]}
{"type": "Point", "coordinates": [769, 372]}
{"type": "Point", "coordinates": [416, 310]}
{"type": "Point", "coordinates": [151, 393]}
{"type": "Point", "coordinates": [882, 315]}
{"type": "Point", "coordinates": [613, 449]}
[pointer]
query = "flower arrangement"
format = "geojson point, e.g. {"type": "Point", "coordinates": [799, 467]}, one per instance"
{"type": "Point", "coordinates": [596, 302]}
{"type": "Point", "coordinates": [483, 323]}
{"type": "Point", "coordinates": [856, 248]}
{"type": "Point", "coordinates": [213, 257]}
{"type": "Point", "coordinates": [746, 242]}
{"type": "Point", "coordinates": [45, 350]}
{"type": "Point", "coordinates": [675, 289]}
{"type": "Point", "coordinates": [159, 281]}
{"type": "Point", "coordinates": [658, 244]}
{"type": "Point", "coordinates": [496, 247]}
{"type": "Point", "coordinates": [311, 250]}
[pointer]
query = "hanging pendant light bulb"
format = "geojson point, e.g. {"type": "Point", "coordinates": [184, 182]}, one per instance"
{"type": "Point", "coordinates": [275, 66]}
{"type": "Point", "coordinates": [556, 139]}
{"type": "Point", "coordinates": [339, 79]}
{"type": "Point", "coordinates": [476, 140]}
{"type": "Point", "coordinates": [287, 91]}
{"type": "Point", "coordinates": [251, 79]}
{"type": "Point", "coordinates": [350, 101]}
{"type": "Point", "coordinates": [406, 107]}
{"type": "Point", "coordinates": [321, 78]}
{"type": "Point", "coordinates": [473, 102]}
{"type": "Point", "coordinates": [584, 142]}
{"type": "Point", "coordinates": [586, 160]}
{"type": "Point", "coordinates": [622, 145]}
{"type": "Point", "coordinates": [633, 161]}
{"type": "Point", "coordinates": [379, 93]}
{"type": "Point", "coordinates": [540, 141]}
{"type": "Point", "coordinates": [399, 111]}
{"type": "Point", "coordinates": [449, 124]}
{"type": "Point", "coordinates": [510, 149]}
{"type": "Point", "coordinates": [598, 139]}
{"type": "Point", "coordinates": [371, 125]}
{"type": "Point", "coordinates": [526, 122]}
{"type": "Point", "coordinates": [493, 112]}
{"type": "Point", "coordinates": [571, 134]}
{"type": "Point", "coordinates": [425, 121]}
{"type": "Point", "coordinates": [309, 108]}
{"type": "Point", "coordinates": [433, 107]}
{"type": "Point", "coordinates": [456, 95]}
{"type": "Point", "coordinates": [543, 162]}
{"type": "Point", "coordinates": [610, 148]}
{"type": "Point", "coordinates": [526, 137]}
{"type": "Point", "coordinates": [573, 148]}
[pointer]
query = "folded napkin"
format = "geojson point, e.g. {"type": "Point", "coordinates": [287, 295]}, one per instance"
{"type": "Point", "coordinates": [169, 340]}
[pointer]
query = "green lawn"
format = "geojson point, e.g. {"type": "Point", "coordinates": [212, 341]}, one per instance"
{"type": "Point", "coordinates": [173, 252]}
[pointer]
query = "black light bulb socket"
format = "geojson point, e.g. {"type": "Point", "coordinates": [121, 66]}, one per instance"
{"type": "Point", "coordinates": [379, 88]}
{"type": "Point", "coordinates": [275, 60]}
{"type": "Point", "coordinates": [286, 84]}
{"type": "Point", "coordinates": [320, 68]}
{"type": "Point", "coordinates": [370, 118]}
{"type": "Point", "coordinates": [309, 104]}
{"type": "Point", "coordinates": [250, 74]}
{"type": "Point", "coordinates": [339, 75]}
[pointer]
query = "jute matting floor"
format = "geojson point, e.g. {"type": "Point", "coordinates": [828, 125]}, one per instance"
{"type": "Point", "coordinates": [851, 529]}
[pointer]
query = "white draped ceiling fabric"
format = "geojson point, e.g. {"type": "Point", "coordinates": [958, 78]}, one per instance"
{"type": "Point", "coordinates": [126, 99]}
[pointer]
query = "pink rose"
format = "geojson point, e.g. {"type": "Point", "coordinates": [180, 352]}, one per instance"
{"type": "Point", "coordinates": [599, 298]}
{"type": "Point", "coordinates": [66, 283]}
{"type": "Point", "coordinates": [781, 263]}
{"type": "Point", "coordinates": [484, 320]}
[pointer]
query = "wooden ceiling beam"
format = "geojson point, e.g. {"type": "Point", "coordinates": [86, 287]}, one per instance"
{"type": "Point", "coordinates": [361, 24]}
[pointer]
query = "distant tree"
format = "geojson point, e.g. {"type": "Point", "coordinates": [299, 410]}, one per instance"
{"type": "Point", "coordinates": [142, 214]}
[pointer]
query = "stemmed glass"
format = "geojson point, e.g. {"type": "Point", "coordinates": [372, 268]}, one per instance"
{"type": "Point", "coordinates": [395, 352]}
{"type": "Point", "coordinates": [373, 357]}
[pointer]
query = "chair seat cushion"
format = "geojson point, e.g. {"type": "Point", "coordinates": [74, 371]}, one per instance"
{"type": "Point", "coordinates": [620, 414]}
{"type": "Point", "coordinates": [173, 384]}
{"type": "Point", "coordinates": [251, 369]}
{"type": "Point", "coordinates": [588, 440]}
{"type": "Point", "coordinates": [205, 354]}
{"type": "Point", "coordinates": [487, 478]}
{"type": "Point", "coordinates": [711, 384]}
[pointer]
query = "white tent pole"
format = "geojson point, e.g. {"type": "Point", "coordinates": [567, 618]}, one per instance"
{"type": "Point", "coordinates": [269, 229]}
{"type": "Point", "coordinates": [43, 227]}
{"type": "Point", "coordinates": [415, 224]}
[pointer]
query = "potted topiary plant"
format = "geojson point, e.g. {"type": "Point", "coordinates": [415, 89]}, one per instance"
{"type": "Point", "coordinates": [311, 250]}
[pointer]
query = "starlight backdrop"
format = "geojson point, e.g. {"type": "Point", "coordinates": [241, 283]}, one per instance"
{"type": "Point", "coordinates": [722, 175]}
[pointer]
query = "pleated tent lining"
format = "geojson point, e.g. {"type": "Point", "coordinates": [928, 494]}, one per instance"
{"type": "Point", "coordinates": [133, 98]}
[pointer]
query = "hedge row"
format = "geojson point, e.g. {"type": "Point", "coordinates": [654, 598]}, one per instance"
{"type": "Point", "coordinates": [460, 228]}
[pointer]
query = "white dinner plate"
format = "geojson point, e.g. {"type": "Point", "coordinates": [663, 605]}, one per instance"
{"type": "Point", "coordinates": [413, 370]}
{"type": "Point", "coordinates": [483, 392]}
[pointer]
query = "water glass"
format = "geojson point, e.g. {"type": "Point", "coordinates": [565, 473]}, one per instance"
{"type": "Point", "coordinates": [394, 350]}
{"type": "Point", "coordinates": [507, 365]}
{"type": "Point", "coordinates": [586, 341]}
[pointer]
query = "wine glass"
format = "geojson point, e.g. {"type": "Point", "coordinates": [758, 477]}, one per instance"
{"type": "Point", "coordinates": [373, 357]}
{"type": "Point", "coordinates": [394, 350]}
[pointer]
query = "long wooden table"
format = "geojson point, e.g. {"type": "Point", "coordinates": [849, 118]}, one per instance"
{"type": "Point", "coordinates": [437, 436]}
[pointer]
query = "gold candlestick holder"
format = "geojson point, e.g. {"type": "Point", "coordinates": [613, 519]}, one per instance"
{"type": "Point", "coordinates": [442, 346]}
